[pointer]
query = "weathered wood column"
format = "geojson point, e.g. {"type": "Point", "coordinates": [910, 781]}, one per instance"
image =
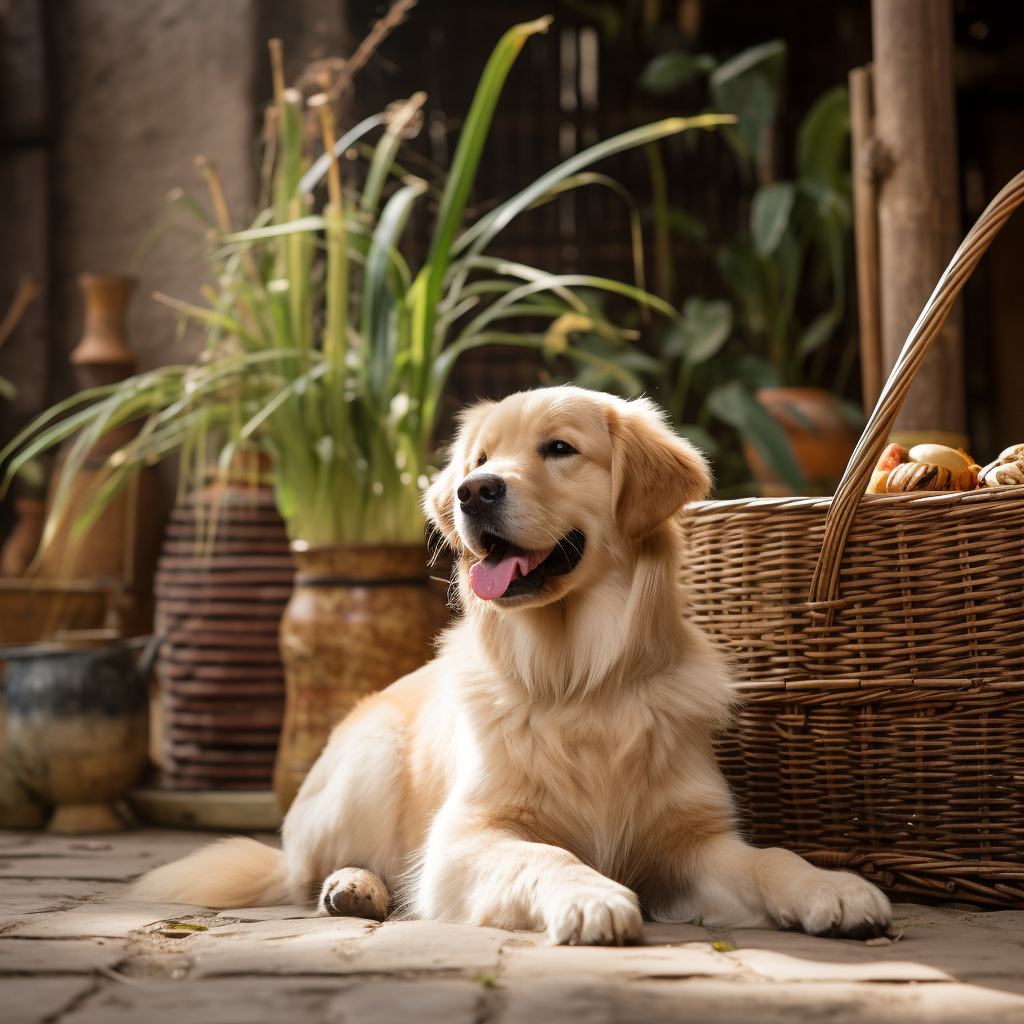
{"type": "Point", "coordinates": [918, 201]}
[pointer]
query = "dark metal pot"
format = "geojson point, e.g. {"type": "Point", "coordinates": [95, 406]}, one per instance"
{"type": "Point", "coordinates": [75, 730]}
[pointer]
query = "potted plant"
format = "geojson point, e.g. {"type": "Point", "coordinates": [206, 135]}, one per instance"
{"type": "Point", "coordinates": [759, 363]}
{"type": "Point", "coordinates": [329, 354]}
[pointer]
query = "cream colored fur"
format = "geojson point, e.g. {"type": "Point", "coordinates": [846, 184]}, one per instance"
{"type": "Point", "coordinates": [553, 767]}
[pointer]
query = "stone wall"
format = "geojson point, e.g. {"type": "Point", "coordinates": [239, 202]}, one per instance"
{"type": "Point", "coordinates": [105, 104]}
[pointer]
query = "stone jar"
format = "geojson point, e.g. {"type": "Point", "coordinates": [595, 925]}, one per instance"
{"type": "Point", "coordinates": [360, 617]}
{"type": "Point", "coordinates": [75, 730]}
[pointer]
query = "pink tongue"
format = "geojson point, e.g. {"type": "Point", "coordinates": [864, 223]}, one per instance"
{"type": "Point", "coordinates": [491, 579]}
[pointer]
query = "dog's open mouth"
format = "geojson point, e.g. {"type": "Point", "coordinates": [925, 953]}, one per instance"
{"type": "Point", "coordinates": [511, 571]}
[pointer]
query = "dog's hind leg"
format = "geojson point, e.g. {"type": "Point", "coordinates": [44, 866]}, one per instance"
{"type": "Point", "coordinates": [354, 892]}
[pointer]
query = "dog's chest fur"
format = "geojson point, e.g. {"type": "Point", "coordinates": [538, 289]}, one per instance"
{"type": "Point", "coordinates": [592, 775]}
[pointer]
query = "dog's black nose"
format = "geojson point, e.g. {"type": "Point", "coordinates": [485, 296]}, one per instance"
{"type": "Point", "coordinates": [480, 493]}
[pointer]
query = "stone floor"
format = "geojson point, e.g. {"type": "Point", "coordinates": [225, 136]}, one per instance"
{"type": "Point", "coordinates": [74, 950]}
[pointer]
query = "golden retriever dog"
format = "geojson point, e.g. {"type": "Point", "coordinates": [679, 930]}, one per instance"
{"type": "Point", "coordinates": [552, 768]}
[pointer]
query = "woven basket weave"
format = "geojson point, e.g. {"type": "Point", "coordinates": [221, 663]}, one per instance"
{"type": "Point", "coordinates": [879, 641]}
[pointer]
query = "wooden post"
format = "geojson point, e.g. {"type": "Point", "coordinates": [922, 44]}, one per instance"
{"type": "Point", "coordinates": [865, 230]}
{"type": "Point", "coordinates": [918, 202]}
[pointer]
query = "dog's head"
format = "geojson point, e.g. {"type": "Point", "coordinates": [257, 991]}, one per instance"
{"type": "Point", "coordinates": [545, 490]}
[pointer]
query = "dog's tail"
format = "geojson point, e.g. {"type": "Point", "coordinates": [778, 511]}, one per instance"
{"type": "Point", "coordinates": [231, 873]}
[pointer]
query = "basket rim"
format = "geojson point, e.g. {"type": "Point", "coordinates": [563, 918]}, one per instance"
{"type": "Point", "coordinates": [980, 496]}
{"type": "Point", "coordinates": [849, 683]}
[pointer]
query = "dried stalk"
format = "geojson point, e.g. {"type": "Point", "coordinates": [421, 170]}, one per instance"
{"type": "Point", "coordinates": [380, 31]}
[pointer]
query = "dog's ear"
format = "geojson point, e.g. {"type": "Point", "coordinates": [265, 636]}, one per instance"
{"type": "Point", "coordinates": [439, 499]}
{"type": "Point", "coordinates": [654, 471]}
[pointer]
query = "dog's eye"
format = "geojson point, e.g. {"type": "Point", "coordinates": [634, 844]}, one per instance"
{"type": "Point", "coordinates": [481, 460]}
{"type": "Point", "coordinates": [557, 449]}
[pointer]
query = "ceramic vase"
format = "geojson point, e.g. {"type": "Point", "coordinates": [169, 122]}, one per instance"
{"type": "Point", "coordinates": [75, 728]}
{"type": "Point", "coordinates": [360, 617]}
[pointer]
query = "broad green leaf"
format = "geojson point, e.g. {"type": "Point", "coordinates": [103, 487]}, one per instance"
{"type": "Point", "coordinates": [817, 333]}
{"type": "Point", "coordinates": [756, 372]}
{"type": "Point", "coordinates": [742, 268]}
{"type": "Point", "coordinates": [682, 223]}
{"type": "Point", "coordinates": [823, 141]}
{"type": "Point", "coordinates": [705, 329]}
{"type": "Point", "coordinates": [748, 86]}
{"type": "Point", "coordinates": [734, 405]}
{"type": "Point", "coordinates": [670, 71]}
{"type": "Point", "coordinates": [7, 390]}
{"type": "Point", "coordinates": [769, 215]}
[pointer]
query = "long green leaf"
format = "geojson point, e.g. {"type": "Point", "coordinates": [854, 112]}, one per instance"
{"type": "Point", "coordinates": [315, 174]}
{"type": "Point", "coordinates": [385, 152]}
{"type": "Point", "coordinates": [547, 282]}
{"type": "Point", "coordinates": [484, 230]}
{"type": "Point", "coordinates": [377, 300]}
{"type": "Point", "coordinates": [426, 291]}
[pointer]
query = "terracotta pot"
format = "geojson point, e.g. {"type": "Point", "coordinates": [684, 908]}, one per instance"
{"type": "Point", "coordinates": [822, 441]}
{"type": "Point", "coordinates": [359, 618]}
{"type": "Point", "coordinates": [75, 728]}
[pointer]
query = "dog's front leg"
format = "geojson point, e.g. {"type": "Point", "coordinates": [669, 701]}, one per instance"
{"type": "Point", "coordinates": [728, 882]}
{"type": "Point", "coordinates": [478, 872]}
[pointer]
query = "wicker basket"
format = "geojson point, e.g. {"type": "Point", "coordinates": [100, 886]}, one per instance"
{"type": "Point", "coordinates": [879, 640]}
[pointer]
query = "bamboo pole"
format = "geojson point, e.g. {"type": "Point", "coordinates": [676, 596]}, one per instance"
{"type": "Point", "coordinates": [918, 203]}
{"type": "Point", "coordinates": [865, 230]}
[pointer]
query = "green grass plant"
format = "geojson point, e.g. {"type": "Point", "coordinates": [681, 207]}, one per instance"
{"type": "Point", "coordinates": [324, 349]}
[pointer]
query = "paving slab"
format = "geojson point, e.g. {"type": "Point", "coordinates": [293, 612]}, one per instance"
{"type": "Point", "coordinates": [99, 921]}
{"type": "Point", "coordinates": [26, 1001]}
{"type": "Point", "coordinates": [316, 946]}
{"type": "Point", "coordinates": [693, 960]}
{"type": "Point", "coordinates": [58, 956]}
{"type": "Point", "coordinates": [417, 1002]}
{"type": "Point", "coordinates": [118, 857]}
{"type": "Point", "coordinates": [282, 913]}
{"type": "Point", "coordinates": [338, 945]}
{"type": "Point", "coordinates": [774, 966]}
{"type": "Point", "coordinates": [20, 896]}
{"type": "Point", "coordinates": [222, 1000]}
{"type": "Point", "coordinates": [710, 1001]}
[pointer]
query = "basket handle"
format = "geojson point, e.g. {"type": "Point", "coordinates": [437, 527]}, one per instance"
{"type": "Point", "coordinates": [843, 507]}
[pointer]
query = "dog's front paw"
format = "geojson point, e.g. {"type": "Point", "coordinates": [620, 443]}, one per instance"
{"type": "Point", "coordinates": [836, 904]}
{"type": "Point", "coordinates": [596, 916]}
{"type": "Point", "coordinates": [354, 892]}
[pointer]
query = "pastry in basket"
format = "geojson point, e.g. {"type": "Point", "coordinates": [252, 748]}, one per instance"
{"type": "Point", "coordinates": [925, 467]}
{"type": "Point", "coordinates": [891, 458]}
{"type": "Point", "coordinates": [1007, 470]}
